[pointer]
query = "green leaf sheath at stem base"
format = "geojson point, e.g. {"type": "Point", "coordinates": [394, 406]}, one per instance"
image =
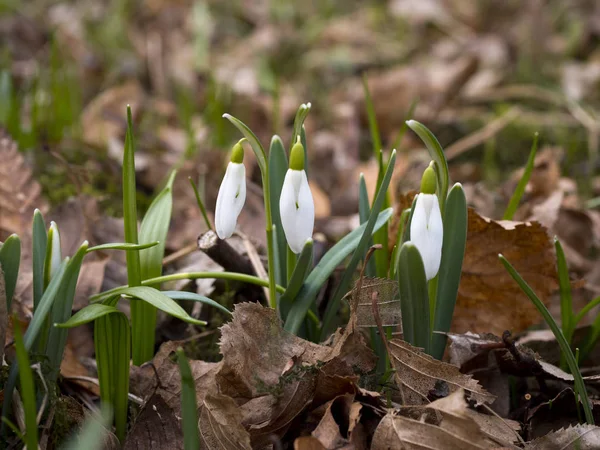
{"type": "Point", "coordinates": [27, 390]}
{"type": "Point", "coordinates": [332, 259]}
{"type": "Point", "coordinates": [513, 204]}
{"type": "Point", "coordinates": [333, 306]}
{"type": "Point", "coordinates": [560, 338]}
{"type": "Point", "coordinates": [303, 266]}
{"type": "Point", "coordinates": [261, 159]}
{"type": "Point", "coordinates": [112, 341]}
{"type": "Point", "coordinates": [448, 278]}
{"type": "Point", "coordinates": [189, 412]}
{"type": "Point", "coordinates": [414, 298]}
{"type": "Point", "coordinates": [10, 260]}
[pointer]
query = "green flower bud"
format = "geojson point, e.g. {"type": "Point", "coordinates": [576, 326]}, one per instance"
{"type": "Point", "coordinates": [428, 182]}
{"type": "Point", "coordinates": [237, 152]}
{"type": "Point", "coordinates": [297, 156]}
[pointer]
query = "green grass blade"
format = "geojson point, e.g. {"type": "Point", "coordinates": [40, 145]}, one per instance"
{"type": "Point", "coordinates": [10, 260]}
{"type": "Point", "coordinates": [257, 148]}
{"type": "Point", "coordinates": [560, 338]}
{"type": "Point", "coordinates": [40, 239]}
{"type": "Point", "coordinates": [154, 227]}
{"type": "Point", "coordinates": [323, 270]}
{"type": "Point", "coordinates": [200, 204]}
{"type": "Point", "coordinates": [6, 97]}
{"type": "Point", "coordinates": [402, 225]}
{"type": "Point", "coordinates": [566, 302]}
{"type": "Point", "coordinates": [453, 252]}
{"type": "Point", "coordinates": [303, 266]}
{"type": "Point", "coordinates": [409, 115]}
{"type": "Point", "coordinates": [364, 209]}
{"type": "Point", "coordinates": [159, 300]}
{"type": "Point", "coordinates": [121, 246]}
{"type": "Point", "coordinates": [414, 298]}
{"type": "Point", "coordinates": [278, 166]}
{"type": "Point", "coordinates": [27, 390]}
{"type": "Point", "coordinates": [61, 311]}
{"type": "Point", "coordinates": [87, 315]}
{"type": "Point", "coordinates": [189, 409]}
{"type": "Point", "coordinates": [191, 296]}
{"type": "Point", "coordinates": [93, 431]}
{"type": "Point", "coordinates": [344, 286]}
{"type": "Point", "coordinates": [513, 204]}
{"type": "Point", "coordinates": [436, 152]}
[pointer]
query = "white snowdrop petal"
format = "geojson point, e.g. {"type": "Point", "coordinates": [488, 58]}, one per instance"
{"type": "Point", "coordinates": [230, 200]}
{"type": "Point", "coordinates": [297, 209]}
{"type": "Point", "coordinates": [426, 232]}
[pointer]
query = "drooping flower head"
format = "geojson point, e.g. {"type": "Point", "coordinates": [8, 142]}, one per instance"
{"type": "Point", "coordinates": [232, 193]}
{"type": "Point", "coordinates": [426, 227]}
{"type": "Point", "coordinates": [296, 204]}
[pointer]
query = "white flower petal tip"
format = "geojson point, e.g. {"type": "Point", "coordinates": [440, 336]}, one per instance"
{"type": "Point", "coordinates": [231, 198]}
{"type": "Point", "coordinates": [297, 209]}
{"type": "Point", "coordinates": [427, 232]}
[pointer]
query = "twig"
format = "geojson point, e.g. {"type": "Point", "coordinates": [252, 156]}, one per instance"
{"type": "Point", "coordinates": [224, 254]}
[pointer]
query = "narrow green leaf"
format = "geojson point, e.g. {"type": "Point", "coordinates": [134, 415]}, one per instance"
{"type": "Point", "coordinates": [560, 338]}
{"type": "Point", "coordinates": [87, 315]}
{"type": "Point", "coordinates": [40, 239]}
{"type": "Point", "coordinates": [364, 209]}
{"type": "Point", "coordinates": [305, 145]}
{"type": "Point", "coordinates": [27, 390]}
{"type": "Point", "coordinates": [93, 432]}
{"type": "Point", "coordinates": [6, 97]}
{"type": "Point", "coordinates": [35, 326]}
{"type": "Point", "coordinates": [182, 295]}
{"type": "Point", "coordinates": [404, 127]}
{"type": "Point", "coordinates": [402, 225]}
{"type": "Point", "coordinates": [121, 246]}
{"type": "Point", "coordinates": [154, 227]}
{"type": "Point", "coordinates": [373, 127]}
{"type": "Point", "coordinates": [200, 204]}
{"type": "Point", "coordinates": [436, 152]}
{"type": "Point", "coordinates": [259, 151]}
{"type": "Point", "coordinates": [513, 204]}
{"type": "Point", "coordinates": [566, 302]}
{"type": "Point", "coordinates": [325, 268]}
{"type": "Point", "coordinates": [61, 311]}
{"type": "Point", "coordinates": [414, 297]}
{"type": "Point", "coordinates": [189, 411]}
{"type": "Point", "coordinates": [303, 266]}
{"type": "Point", "coordinates": [453, 252]}
{"type": "Point", "coordinates": [156, 298]}
{"type": "Point", "coordinates": [344, 286]}
{"type": "Point", "coordinates": [10, 260]}
{"type": "Point", "coordinates": [278, 166]}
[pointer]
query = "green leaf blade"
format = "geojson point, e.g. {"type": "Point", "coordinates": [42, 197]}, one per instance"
{"type": "Point", "coordinates": [513, 204]}
{"type": "Point", "coordinates": [10, 260]}
{"type": "Point", "coordinates": [189, 411]}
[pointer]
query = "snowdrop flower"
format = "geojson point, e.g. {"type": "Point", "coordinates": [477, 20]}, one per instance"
{"type": "Point", "coordinates": [232, 193]}
{"type": "Point", "coordinates": [426, 228]}
{"type": "Point", "coordinates": [55, 253]}
{"type": "Point", "coordinates": [296, 204]}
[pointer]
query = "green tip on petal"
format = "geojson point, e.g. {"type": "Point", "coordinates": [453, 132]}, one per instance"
{"type": "Point", "coordinates": [428, 182]}
{"type": "Point", "coordinates": [297, 156]}
{"type": "Point", "coordinates": [237, 152]}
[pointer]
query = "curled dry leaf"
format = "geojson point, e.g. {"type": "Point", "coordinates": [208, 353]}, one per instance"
{"type": "Point", "coordinates": [581, 437]}
{"type": "Point", "coordinates": [336, 429]}
{"type": "Point", "coordinates": [422, 375]}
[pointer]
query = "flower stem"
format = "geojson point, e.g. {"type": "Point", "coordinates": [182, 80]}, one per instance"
{"type": "Point", "coordinates": [241, 277]}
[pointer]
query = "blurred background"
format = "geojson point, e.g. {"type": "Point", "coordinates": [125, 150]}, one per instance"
{"type": "Point", "coordinates": [483, 76]}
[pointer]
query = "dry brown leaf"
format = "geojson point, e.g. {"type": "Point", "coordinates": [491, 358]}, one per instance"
{"type": "Point", "coordinates": [168, 384]}
{"type": "Point", "coordinates": [308, 443]}
{"type": "Point", "coordinates": [19, 192]}
{"type": "Point", "coordinates": [401, 432]}
{"type": "Point", "coordinates": [156, 427]}
{"type": "Point", "coordinates": [220, 424]}
{"type": "Point", "coordinates": [388, 304]}
{"type": "Point", "coordinates": [342, 416]}
{"type": "Point", "coordinates": [421, 374]}
{"type": "Point", "coordinates": [581, 437]}
{"type": "Point", "coordinates": [489, 300]}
